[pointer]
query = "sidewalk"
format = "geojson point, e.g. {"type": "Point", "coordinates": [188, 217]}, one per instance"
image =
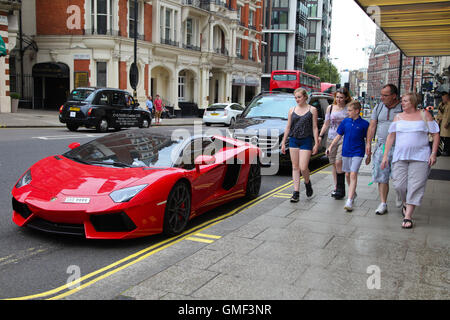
{"type": "Point", "coordinates": [28, 118]}
{"type": "Point", "coordinates": [314, 249]}
{"type": "Point", "coordinates": [274, 249]}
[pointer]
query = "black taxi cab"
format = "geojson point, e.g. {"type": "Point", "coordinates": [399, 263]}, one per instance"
{"type": "Point", "coordinates": [102, 108]}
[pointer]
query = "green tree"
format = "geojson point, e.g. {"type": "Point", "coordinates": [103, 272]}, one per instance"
{"type": "Point", "coordinates": [324, 69]}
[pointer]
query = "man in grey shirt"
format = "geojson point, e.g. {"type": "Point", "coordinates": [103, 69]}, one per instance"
{"type": "Point", "coordinates": [382, 116]}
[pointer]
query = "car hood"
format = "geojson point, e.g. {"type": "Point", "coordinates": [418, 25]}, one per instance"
{"type": "Point", "coordinates": [260, 125]}
{"type": "Point", "coordinates": [61, 176]}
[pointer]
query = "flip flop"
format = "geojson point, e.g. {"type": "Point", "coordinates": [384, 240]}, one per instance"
{"type": "Point", "coordinates": [407, 221]}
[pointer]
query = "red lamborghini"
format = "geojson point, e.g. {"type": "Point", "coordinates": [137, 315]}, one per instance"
{"type": "Point", "coordinates": [134, 183]}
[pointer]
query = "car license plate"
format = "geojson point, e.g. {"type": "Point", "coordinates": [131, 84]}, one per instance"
{"type": "Point", "coordinates": [74, 109]}
{"type": "Point", "coordinates": [214, 114]}
{"type": "Point", "coordinates": [73, 114]}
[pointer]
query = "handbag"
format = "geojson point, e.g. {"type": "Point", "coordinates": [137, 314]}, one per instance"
{"type": "Point", "coordinates": [430, 137]}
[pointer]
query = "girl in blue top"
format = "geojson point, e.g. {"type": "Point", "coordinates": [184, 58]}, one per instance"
{"type": "Point", "coordinates": [354, 130]}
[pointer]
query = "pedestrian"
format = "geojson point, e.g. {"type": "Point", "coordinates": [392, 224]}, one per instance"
{"type": "Point", "coordinates": [335, 113]}
{"type": "Point", "coordinates": [301, 129]}
{"type": "Point", "coordinates": [382, 116]}
{"type": "Point", "coordinates": [443, 118]}
{"type": "Point", "coordinates": [354, 129]}
{"type": "Point", "coordinates": [158, 109]}
{"type": "Point", "coordinates": [412, 156]}
{"type": "Point", "coordinates": [149, 104]}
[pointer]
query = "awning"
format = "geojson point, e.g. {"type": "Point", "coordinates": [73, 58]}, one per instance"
{"type": "Point", "coordinates": [417, 27]}
{"type": "Point", "coordinates": [51, 70]}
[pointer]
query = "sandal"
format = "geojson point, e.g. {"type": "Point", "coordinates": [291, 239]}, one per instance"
{"type": "Point", "coordinates": [407, 221]}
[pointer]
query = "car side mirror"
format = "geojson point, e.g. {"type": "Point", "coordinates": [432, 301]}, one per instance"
{"type": "Point", "coordinates": [202, 160]}
{"type": "Point", "coordinates": [74, 145]}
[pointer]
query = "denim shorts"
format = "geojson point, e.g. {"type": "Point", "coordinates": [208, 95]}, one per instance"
{"type": "Point", "coordinates": [302, 144]}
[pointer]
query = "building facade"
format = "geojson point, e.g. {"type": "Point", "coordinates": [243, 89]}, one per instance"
{"type": "Point", "coordinates": [319, 28]}
{"type": "Point", "coordinates": [190, 52]}
{"type": "Point", "coordinates": [284, 37]}
{"type": "Point", "coordinates": [9, 29]}
{"type": "Point", "coordinates": [384, 68]}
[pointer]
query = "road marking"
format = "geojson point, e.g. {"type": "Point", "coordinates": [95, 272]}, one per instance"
{"type": "Point", "coordinates": [208, 236]}
{"type": "Point", "coordinates": [147, 252]}
{"type": "Point", "coordinates": [199, 240]}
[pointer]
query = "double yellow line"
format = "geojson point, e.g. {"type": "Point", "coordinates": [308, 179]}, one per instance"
{"type": "Point", "coordinates": [103, 273]}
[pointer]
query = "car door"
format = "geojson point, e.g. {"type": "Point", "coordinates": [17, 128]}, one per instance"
{"type": "Point", "coordinates": [120, 110]}
{"type": "Point", "coordinates": [208, 180]}
{"type": "Point", "coordinates": [133, 113]}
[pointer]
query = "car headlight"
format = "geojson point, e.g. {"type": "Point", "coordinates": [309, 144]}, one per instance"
{"type": "Point", "coordinates": [126, 194]}
{"type": "Point", "coordinates": [24, 180]}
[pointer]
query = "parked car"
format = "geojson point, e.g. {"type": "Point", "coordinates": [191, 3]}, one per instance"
{"type": "Point", "coordinates": [225, 113]}
{"type": "Point", "coordinates": [133, 184]}
{"type": "Point", "coordinates": [102, 108]}
{"type": "Point", "coordinates": [264, 120]}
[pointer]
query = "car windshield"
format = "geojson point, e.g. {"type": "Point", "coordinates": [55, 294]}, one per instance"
{"type": "Point", "coordinates": [81, 95]}
{"type": "Point", "coordinates": [128, 149]}
{"type": "Point", "coordinates": [272, 106]}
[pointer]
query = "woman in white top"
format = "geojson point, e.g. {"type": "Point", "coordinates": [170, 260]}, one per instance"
{"type": "Point", "coordinates": [412, 157]}
{"type": "Point", "coordinates": [334, 115]}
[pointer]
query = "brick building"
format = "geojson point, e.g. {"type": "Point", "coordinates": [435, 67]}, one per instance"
{"type": "Point", "coordinates": [8, 31]}
{"type": "Point", "coordinates": [384, 63]}
{"type": "Point", "coordinates": [190, 52]}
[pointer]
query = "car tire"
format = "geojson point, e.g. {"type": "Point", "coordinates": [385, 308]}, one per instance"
{"type": "Point", "coordinates": [72, 127]}
{"type": "Point", "coordinates": [145, 123]}
{"type": "Point", "coordinates": [253, 181]}
{"type": "Point", "coordinates": [178, 209]}
{"type": "Point", "coordinates": [102, 125]}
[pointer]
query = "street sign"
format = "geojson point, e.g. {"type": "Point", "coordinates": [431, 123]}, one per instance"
{"type": "Point", "coordinates": [134, 75]}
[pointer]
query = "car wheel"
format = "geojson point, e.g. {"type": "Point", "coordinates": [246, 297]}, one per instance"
{"type": "Point", "coordinates": [145, 123]}
{"type": "Point", "coordinates": [72, 127]}
{"type": "Point", "coordinates": [102, 126]}
{"type": "Point", "coordinates": [232, 121]}
{"type": "Point", "coordinates": [253, 181]}
{"type": "Point", "coordinates": [178, 209]}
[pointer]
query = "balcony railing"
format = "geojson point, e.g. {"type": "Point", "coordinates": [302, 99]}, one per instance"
{"type": "Point", "coordinates": [170, 42]}
{"type": "Point", "coordinates": [206, 4]}
{"type": "Point", "coordinates": [191, 47]}
{"type": "Point", "coordinates": [223, 51]}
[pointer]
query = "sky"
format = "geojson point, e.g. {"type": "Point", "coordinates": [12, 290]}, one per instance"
{"type": "Point", "coordinates": [351, 31]}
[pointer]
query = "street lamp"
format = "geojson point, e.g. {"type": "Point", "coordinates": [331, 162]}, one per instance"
{"type": "Point", "coordinates": [134, 72]}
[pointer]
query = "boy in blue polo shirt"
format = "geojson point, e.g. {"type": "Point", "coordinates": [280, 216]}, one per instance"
{"type": "Point", "coordinates": [354, 130]}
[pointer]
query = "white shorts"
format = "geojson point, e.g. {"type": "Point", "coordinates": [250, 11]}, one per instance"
{"type": "Point", "coordinates": [351, 164]}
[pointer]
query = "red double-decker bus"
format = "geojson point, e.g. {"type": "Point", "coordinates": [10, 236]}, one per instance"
{"type": "Point", "coordinates": [289, 80]}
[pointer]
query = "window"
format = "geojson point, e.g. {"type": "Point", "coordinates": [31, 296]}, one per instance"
{"type": "Point", "coordinates": [101, 16]}
{"type": "Point", "coordinates": [101, 74]}
{"type": "Point", "coordinates": [279, 43]}
{"type": "Point", "coordinates": [167, 24]}
{"type": "Point", "coordinates": [312, 10]}
{"type": "Point", "coordinates": [250, 50]}
{"type": "Point", "coordinates": [238, 47]}
{"type": "Point", "coordinates": [279, 19]}
{"type": "Point", "coordinates": [181, 88]}
{"type": "Point", "coordinates": [279, 62]}
{"type": "Point", "coordinates": [189, 31]}
{"type": "Point", "coordinates": [251, 16]}
{"type": "Point", "coordinates": [132, 20]}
